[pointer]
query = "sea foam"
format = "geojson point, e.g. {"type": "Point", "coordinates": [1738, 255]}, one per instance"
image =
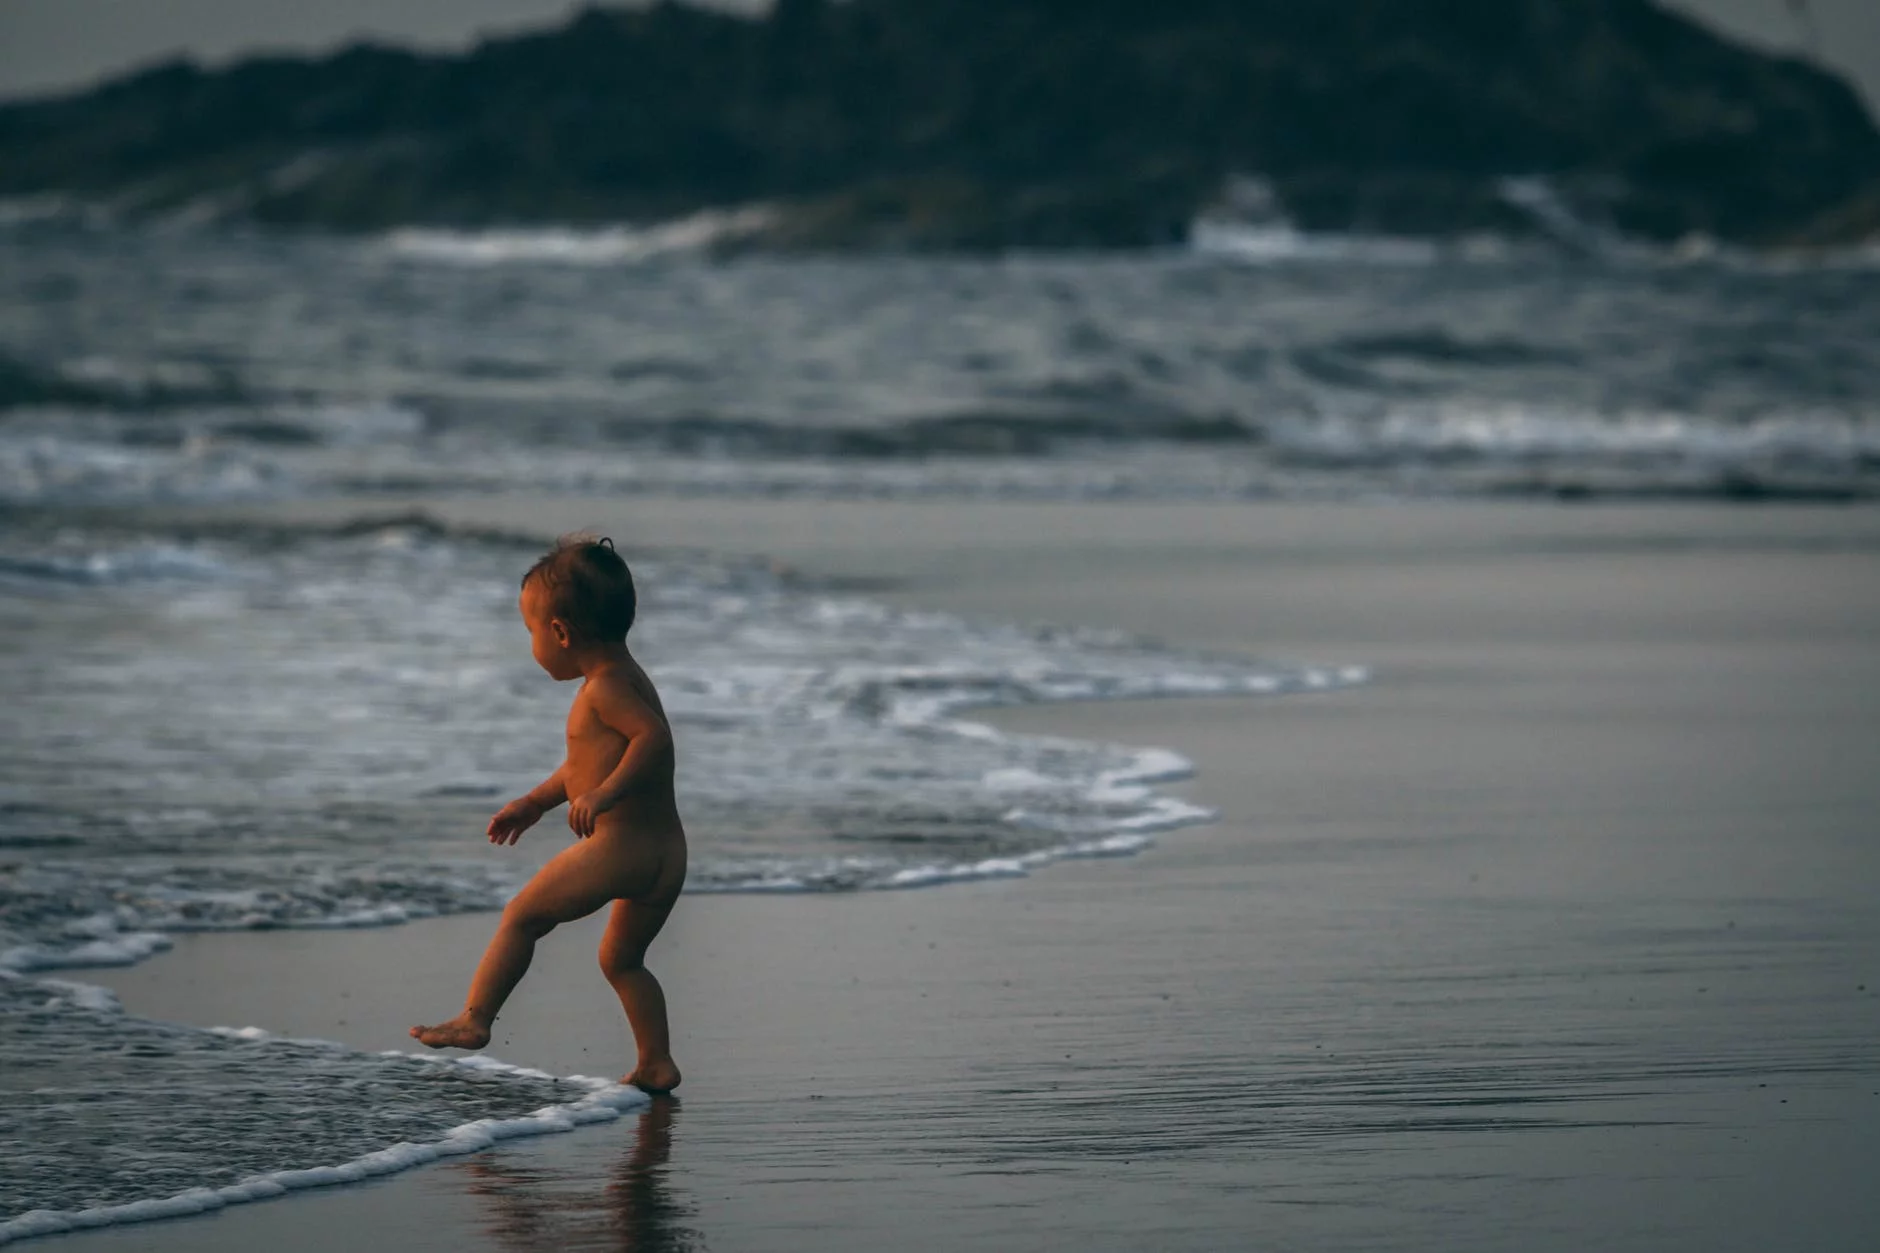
{"type": "Point", "coordinates": [229, 1074]}
{"type": "Point", "coordinates": [615, 245]}
{"type": "Point", "coordinates": [606, 1101]}
{"type": "Point", "coordinates": [317, 724]}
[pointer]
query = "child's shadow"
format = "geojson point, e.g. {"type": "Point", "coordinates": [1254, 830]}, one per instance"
{"type": "Point", "coordinates": [532, 1208]}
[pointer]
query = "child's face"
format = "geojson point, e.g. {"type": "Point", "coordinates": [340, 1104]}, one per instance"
{"type": "Point", "coordinates": [548, 636]}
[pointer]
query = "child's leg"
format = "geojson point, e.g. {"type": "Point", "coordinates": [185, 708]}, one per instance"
{"type": "Point", "coordinates": [630, 930]}
{"type": "Point", "coordinates": [576, 882]}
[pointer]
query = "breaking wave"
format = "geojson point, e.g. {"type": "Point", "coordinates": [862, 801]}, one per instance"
{"type": "Point", "coordinates": [614, 245]}
{"type": "Point", "coordinates": [530, 361]}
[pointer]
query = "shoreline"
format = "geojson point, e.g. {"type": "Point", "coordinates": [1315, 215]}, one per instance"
{"type": "Point", "coordinates": [1417, 981]}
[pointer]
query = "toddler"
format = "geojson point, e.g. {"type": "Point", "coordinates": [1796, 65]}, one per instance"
{"type": "Point", "coordinates": [578, 603]}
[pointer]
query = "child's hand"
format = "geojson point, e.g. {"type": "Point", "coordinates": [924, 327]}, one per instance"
{"type": "Point", "coordinates": [586, 809]}
{"type": "Point", "coordinates": [513, 819]}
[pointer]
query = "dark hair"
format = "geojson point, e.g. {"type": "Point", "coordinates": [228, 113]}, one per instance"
{"type": "Point", "coordinates": [589, 587]}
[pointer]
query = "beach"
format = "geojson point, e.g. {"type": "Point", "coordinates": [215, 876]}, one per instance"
{"type": "Point", "coordinates": [1222, 699]}
{"type": "Point", "coordinates": [1558, 932]}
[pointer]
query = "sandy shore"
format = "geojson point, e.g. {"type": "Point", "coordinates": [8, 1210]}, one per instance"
{"type": "Point", "coordinates": [1560, 934]}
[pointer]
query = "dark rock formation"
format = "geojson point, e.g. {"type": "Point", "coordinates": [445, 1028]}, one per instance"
{"type": "Point", "coordinates": [953, 123]}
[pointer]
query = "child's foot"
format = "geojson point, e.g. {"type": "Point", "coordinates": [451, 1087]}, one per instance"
{"type": "Point", "coordinates": [461, 1032]}
{"type": "Point", "coordinates": [658, 1076]}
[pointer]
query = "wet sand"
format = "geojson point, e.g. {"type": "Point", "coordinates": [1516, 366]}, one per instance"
{"type": "Point", "coordinates": [1560, 934]}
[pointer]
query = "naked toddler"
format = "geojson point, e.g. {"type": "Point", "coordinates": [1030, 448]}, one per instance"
{"type": "Point", "coordinates": [578, 603]}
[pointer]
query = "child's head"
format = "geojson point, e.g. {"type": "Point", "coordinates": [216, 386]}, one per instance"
{"type": "Point", "coordinates": [576, 596]}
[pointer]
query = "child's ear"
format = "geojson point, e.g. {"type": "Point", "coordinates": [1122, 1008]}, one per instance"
{"type": "Point", "coordinates": [560, 629]}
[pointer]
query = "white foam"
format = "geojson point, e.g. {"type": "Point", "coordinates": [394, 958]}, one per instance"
{"type": "Point", "coordinates": [1271, 244]}
{"type": "Point", "coordinates": [355, 424]}
{"type": "Point", "coordinates": [38, 467]}
{"type": "Point", "coordinates": [873, 703]}
{"type": "Point", "coordinates": [605, 1100]}
{"type": "Point", "coordinates": [121, 564]}
{"type": "Point", "coordinates": [369, 916]}
{"type": "Point", "coordinates": [1014, 779]}
{"type": "Point", "coordinates": [126, 949]}
{"type": "Point", "coordinates": [990, 868]}
{"type": "Point", "coordinates": [613, 245]}
{"type": "Point", "coordinates": [1538, 432]}
{"type": "Point", "coordinates": [1109, 846]}
{"type": "Point", "coordinates": [1255, 231]}
{"type": "Point", "coordinates": [1541, 201]}
{"type": "Point", "coordinates": [84, 996]}
{"type": "Point", "coordinates": [1152, 765]}
{"type": "Point", "coordinates": [1133, 838]}
{"type": "Point", "coordinates": [1165, 814]}
{"type": "Point", "coordinates": [1249, 223]}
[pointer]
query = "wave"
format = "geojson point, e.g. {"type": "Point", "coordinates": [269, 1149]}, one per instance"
{"type": "Point", "coordinates": [1558, 231]}
{"type": "Point", "coordinates": [137, 563]}
{"type": "Point", "coordinates": [104, 454]}
{"type": "Point", "coordinates": [1272, 244]}
{"type": "Point", "coordinates": [243, 1140]}
{"type": "Point", "coordinates": [1528, 433]}
{"type": "Point", "coordinates": [1440, 347]}
{"type": "Point", "coordinates": [69, 914]}
{"type": "Point", "coordinates": [1543, 204]}
{"type": "Point", "coordinates": [321, 367]}
{"type": "Point", "coordinates": [39, 468]}
{"type": "Point", "coordinates": [103, 384]}
{"type": "Point", "coordinates": [830, 746]}
{"type": "Point", "coordinates": [611, 245]}
{"type": "Point", "coordinates": [72, 915]}
{"type": "Point", "coordinates": [25, 383]}
{"type": "Point", "coordinates": [1395, 447]}
{"type": "Point", "coordinates": [1036, 432]}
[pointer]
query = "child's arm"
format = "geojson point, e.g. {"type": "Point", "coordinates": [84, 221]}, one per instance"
{"type": "Point", "coordinates": [649, 750]}
{"type": "Point", "coordinates": [526, 810]}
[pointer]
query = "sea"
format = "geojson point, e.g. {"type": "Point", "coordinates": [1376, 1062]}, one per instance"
{"type": "Point", "coordinates": [221, 725]}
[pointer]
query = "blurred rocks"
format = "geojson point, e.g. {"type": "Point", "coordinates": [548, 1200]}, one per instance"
{"type": "Point", "coordinates": [1036, 123]}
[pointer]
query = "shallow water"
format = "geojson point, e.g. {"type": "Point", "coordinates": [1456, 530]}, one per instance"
{"type": "Point", "coordinates": [111, 1118]}
{"type": "Point", "coordinates": [310, 729]}
{"type": "Point", "coordinates": [307, 728]}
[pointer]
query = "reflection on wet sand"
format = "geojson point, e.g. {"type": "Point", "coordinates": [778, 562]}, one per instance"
{"type": "Point", "coordinates": [536, 1209]}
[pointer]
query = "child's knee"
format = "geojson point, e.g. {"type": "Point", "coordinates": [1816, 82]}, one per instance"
{"type": "Point", "coordinates": [527, 921]}
{"type": "Point", "coordinates": [621, 961]}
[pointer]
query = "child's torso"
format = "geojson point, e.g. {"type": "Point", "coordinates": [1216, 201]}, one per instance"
{"type": "Point", "coordinates": [595, 749]}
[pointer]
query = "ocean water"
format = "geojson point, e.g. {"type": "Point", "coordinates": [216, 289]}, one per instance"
{"type": "Point", "coordinates": [165, 365]}
{"type": "Point", "coordinates": [219, 727]}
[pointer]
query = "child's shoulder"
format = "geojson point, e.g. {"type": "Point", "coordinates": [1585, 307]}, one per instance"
{"type": "Point", "coordinates": [625, 683]}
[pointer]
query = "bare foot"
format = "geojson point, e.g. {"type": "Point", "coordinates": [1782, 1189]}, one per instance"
{"type": "Point", "coordinates": [658, 1077]}
{"type": "Point", "coordinates": [461, 1032]}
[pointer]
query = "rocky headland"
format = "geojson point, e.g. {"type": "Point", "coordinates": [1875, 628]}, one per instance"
{"type": "Point", "coordinates": [976, 124]}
